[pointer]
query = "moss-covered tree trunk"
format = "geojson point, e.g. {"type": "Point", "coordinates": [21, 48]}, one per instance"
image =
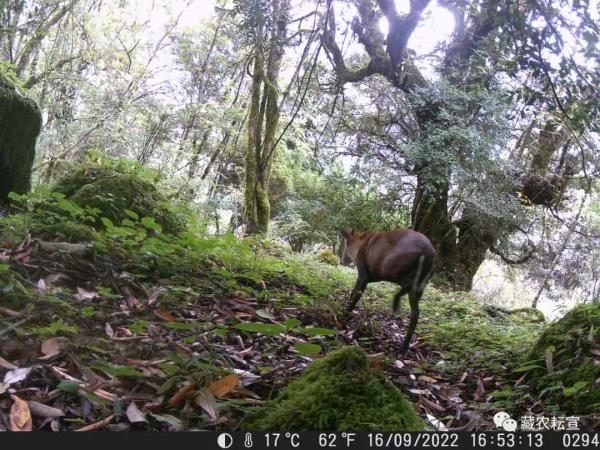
{"type": "Point", "coordinates": [263, 120]}
{"type": "Point", "coordinates": [20, 125]}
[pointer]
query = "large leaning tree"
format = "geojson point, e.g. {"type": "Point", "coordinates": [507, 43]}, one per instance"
{"type": "Point", "coordinates": [506, 126]}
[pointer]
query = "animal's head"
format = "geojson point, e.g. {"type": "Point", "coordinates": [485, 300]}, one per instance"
{"type": "Point", "coordinates": [351, 242]}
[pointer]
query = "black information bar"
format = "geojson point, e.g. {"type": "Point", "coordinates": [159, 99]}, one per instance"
{"type": "Point", "coordinates": [549, 440]}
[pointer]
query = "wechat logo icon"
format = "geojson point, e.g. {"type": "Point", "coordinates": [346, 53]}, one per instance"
{"type": "Point", "coordinates": [503, 420]}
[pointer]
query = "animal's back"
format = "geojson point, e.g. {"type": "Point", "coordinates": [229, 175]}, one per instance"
{"type": "Point", "coordinates": [394, 255]}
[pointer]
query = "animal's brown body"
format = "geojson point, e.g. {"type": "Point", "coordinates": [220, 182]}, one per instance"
{"type": "Point", "coordinates": [404, 257]}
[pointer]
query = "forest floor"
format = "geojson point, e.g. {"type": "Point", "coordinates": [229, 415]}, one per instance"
{"type": "Point", "coordinates": [193, 334]}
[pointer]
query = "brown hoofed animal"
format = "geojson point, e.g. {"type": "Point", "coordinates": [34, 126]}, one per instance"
{"type": "Point", "coordinates": [403, 257]}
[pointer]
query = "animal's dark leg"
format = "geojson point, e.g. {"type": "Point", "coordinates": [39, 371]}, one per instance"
{"type": "Point", "coordinates": [398, 297]}
{"type": "Point", "coordinates": [359, 287]}
{"type": "Point", "coordinates": [413, 297]}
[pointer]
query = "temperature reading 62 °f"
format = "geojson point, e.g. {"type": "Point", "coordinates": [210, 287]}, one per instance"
{"type": "Point", "coordinates": [330, 439]}
{"type": "Point", "coordinates": [273, 439]}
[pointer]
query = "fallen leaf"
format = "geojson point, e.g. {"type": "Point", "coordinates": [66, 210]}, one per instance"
{"type": "Point", "coordinates": [20, 416]}
{"type": "Point", "coordinates": [41, 410]}
{"type": "Point", "coordinates": [439, 426]}
{"type": "Point", "coordinates": [265, 314]}
{"type": "Point", "coordinates": [16, 375]}
{"type": "Point", "coordinates": [181, 394]}
{"type": "Point", "coordinates": [224, 386]}
{"type": "Point", "coordinates": [420, 391]}
{"type": "Point", "coordinates": [6, 364]}
{"type": "Point", "coordinates": [134, 415]}
{"type": "Point", "coordinates": [109, 330]}
{"type": "Point", "coordinates": [163, 314]}
{"type": "Point", "coordinates": [427, 379]}
{"type": "Point", "coordinates": [41, 286]}
{"type": "Point", "coordinates": [399, 364]}
{"type": "Point", "coordinates": [83, 294]}
{"type": "Point", "coordinates": [206, 400]}
{"type": "Point", "coordinates": [463, 377]}
{"type": "Point", "coordinates": [52, 346]}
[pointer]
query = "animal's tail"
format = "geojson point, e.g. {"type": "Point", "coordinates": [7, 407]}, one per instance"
{"type": "Point", "coordinates": [423, 274]}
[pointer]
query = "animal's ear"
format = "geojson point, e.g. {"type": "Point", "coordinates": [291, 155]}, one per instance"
{"type": "Point", "coordinates": [346, 233]}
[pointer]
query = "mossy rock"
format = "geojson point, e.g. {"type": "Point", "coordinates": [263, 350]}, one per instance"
{"type": "Point", "coordinates": [67, 231]}
{"type": "Point", "coordinates": [20, 125]}
{"type": "Point", "coordinates": [574, 342]}
{"type": "Point", "coordinates": [113, 191]}
{"type": "Point", "coordinates": [340, 392]}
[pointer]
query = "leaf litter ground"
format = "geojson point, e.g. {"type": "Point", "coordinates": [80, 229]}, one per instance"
{"type": "Point", "coordinates": [91, 342]}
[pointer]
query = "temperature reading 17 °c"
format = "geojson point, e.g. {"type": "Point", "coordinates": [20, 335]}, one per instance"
{"type": "Point", "coordinates": [329, 440]}
{"type": "Point", "coordinates": [273, 440]}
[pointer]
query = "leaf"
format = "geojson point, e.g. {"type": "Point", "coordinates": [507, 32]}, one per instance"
{"type": "Point", "coordinates": [15, 197]}
{"type": "Point", "coordinates": [123, 371]}
{"type": "Point", "coordinates": [41, 410]}
{"type": "Point", "coordinates": [526, 367]}
{"type": "Point", "coordinates": [307, 349]}
{"type": "Point", "coordinates": [265, 314]}
{"type": "Point", "coordinates": [41, 286]}
{"type": "Point", "coordinates": [4, 267]}
{"type": "Point", "coordinates": [292, 323]}
{"type": "Point", "coordinates": [264, 328]}
{"type": "Point", "coordinates": [83, 295]}
{"type": "Point", "coordinates": [319, 331]}
{"type": "Point", "coordinates": [16, 375]}
{"type": "Point", "coordinates": [134, 415]}
{"type": "Point", "coordinates": [69, 386]}
{"type": "Point", "coordinates": [206, 400]}
{"type": "Point", "coordinates": [131, 214]}
{"type": "Point", "coordinates": [182, 325]}
{"type": "Point", "coordinates": [181, 394]}
{"type": "Point", "coordinates": [224, 386]}
{"type": "Point", "coordinates": [427, 379]}
{"type": "Point", "coordinates": [51, 346]}
{"type": "Point", "coordinates": [163, 314]}
{"type": "Point", "coordinates": [20, 415]}
{"type": "Point", "coordinates": [66, 205]}
{"type": "Point", "coordinates": [166, 418]}
{"type": "Point", "coordinates": [151, 224]}
{"type": "Point", "coordinates": [107, 222]}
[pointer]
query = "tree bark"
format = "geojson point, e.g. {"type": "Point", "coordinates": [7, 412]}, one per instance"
{"type": "Point", "coordinates": [263, 120]}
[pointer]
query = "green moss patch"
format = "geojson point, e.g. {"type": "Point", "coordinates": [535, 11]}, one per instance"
{"type": "Point", "coordinates": [112, 192]}
{"type": "Point", "coordinates": [573, 346]}
{"type": "Point", "coordinates": [338, 393]}
{"type": "Point", "coordinates": [67, 231]}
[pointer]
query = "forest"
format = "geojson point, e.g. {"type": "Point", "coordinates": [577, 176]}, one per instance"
{"type": "Point", "coordinates": [210, 212]}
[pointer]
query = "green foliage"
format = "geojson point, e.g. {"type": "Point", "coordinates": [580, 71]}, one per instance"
{"type": "Point", "coordinates": [338, 393]}
{"type": "Point", "coordinates": [572, 345]}
{"type": "Point", "coordinates": [113, 190]}
{"type": "Point", "coordinates": [315, 208]}
{"type": "Point", "coordinates": [458, 326]}
{"type": "Point", "coordinates": [56, 328]}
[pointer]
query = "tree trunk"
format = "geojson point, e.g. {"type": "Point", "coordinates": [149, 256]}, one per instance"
{"type": "Point", "coordinates": [264, 113]}
{"type": "Point", "coordinates": [20, 124]}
